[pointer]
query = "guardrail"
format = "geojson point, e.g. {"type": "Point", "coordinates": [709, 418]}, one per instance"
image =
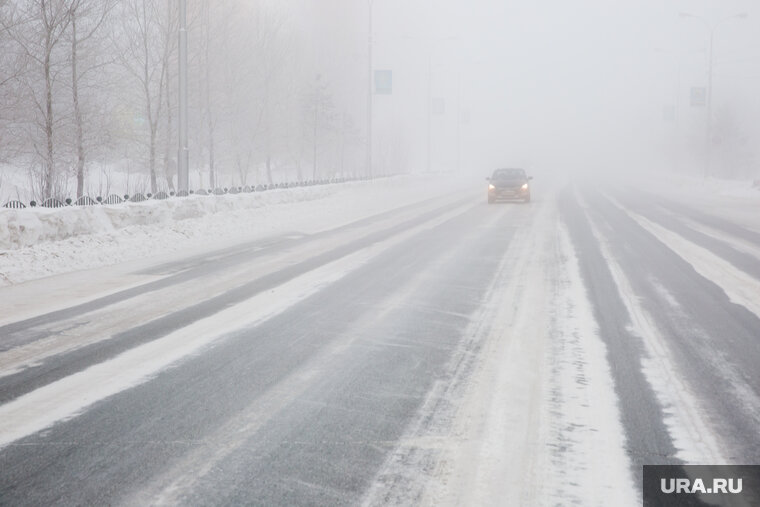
{"type": "Point", "coordinates": [112, 199]}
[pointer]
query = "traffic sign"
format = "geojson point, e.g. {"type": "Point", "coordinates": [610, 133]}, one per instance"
{"type": "Point", "coordinates": [698, 96]}
{"type": "Point", "coordinates": [383, 82]}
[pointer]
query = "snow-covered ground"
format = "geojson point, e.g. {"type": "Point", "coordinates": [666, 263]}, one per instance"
{"type": "Point", "coordinates": [15, 184]}
{"type": "Point", "coordinates": [734, 200]}
{"type": "Point", "coordinates": [528, 409]}
{"type": "Point", "coordinates": [695, 441]}
{"type": "Point", "coordinates": [530, 416]}
{"type": "Point", "coordinates": [42, 408]}
{"type": "Point", "coordinates": [125, 177]}
{"type": "Point", "coordinates": [41, 242]}
{"type": "Point", "coordinates": [545, 430]}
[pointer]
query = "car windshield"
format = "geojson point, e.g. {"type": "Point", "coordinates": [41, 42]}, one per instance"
{"type": "Point", "coordinates": [508, 174]}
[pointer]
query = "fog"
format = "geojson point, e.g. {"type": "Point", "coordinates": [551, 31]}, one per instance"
{"type": "Point", "coordinates": [278, 89]}
{"type": "Point", "coordinates": [344, 311]}
{"type": "Point", "coordinates": [558, 85]}
{"type": "Point", "coordinates": [554, 86]}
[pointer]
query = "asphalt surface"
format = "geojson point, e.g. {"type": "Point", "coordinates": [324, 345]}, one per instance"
{"type": "Point", "coordinates": [715, 342]}
{"type": "Point", "coordinates": [305, 406]}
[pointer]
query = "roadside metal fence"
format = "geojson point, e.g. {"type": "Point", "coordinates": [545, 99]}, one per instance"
{"type": "Point", "coordinates": [112, 199]}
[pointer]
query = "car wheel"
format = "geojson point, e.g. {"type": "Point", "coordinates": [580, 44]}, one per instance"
{"type": "Point", "coordinates": [527, 199]}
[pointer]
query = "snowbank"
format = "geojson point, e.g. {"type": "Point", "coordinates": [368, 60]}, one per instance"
{"type": "Point", "coordinates": [26, 227]}
{"type": "Point", "coordinates": [38, 242]}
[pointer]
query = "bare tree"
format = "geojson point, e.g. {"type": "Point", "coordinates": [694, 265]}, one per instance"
{"type": "Point", "coordinates": [37, 28]}
{"type": "Point", "coordinates": [70, 102]}
{"type": "Point", "coordinates": [242, 102]}
{"type": "Point", "coordinates": [144, 47]}
{"type": "Point", "coordinates": [87, 17]}
{"type": "Point", "coordinates": [349, 136]}
{"type": "Point", "coordinates": [272, 55]}
{"type": "Point", "coordinates": [170, 30]}
{"type": "Point", "coordinates": [320, 115]}
{"type": "Point", "coordinates": [12, 65]}
{"type": "Point", "coordinates": [205, 58]}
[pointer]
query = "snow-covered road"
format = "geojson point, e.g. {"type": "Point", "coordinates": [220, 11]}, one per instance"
{"type": "Point", "coordinates": [431, 350]}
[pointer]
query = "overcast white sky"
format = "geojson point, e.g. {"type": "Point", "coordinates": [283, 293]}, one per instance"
{"type": "Point", "coordinates": [542, 82]}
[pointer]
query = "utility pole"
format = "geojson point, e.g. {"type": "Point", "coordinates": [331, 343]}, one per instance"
{"type": "Point", "coordinates": [183, 151]}
{"type": "Point", "coordinates": [429, 104]}
{"type": "Point", "coordinates": [708, 129]}
{"type": "Point", "coordinates": [368, 169]}
{"type": "Point", "coordinates": [459, 121]}
{"type": "Point", "coordinates": [708, 123]}
{"type": "Point", "coordinates": [317, 100]}
{"type": "Point", "coordinates": [678, 62]}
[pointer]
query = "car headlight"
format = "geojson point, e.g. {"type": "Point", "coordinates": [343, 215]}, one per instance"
{"type": "Point", "coordinates": [491, 187]}
{"type": "Point", "coordinates": [525, 186]}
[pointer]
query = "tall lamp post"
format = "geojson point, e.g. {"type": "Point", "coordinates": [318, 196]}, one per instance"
{"type": "Point", "coordinates": [676, 103]}
{"type": "Point", "coordinates": [368, 169]}
{"type": "Point", "coordinates": [183, 151]}
{"type": "Point", "coordinates": [710, 64]}
{"type": "Point", "coordinates": [429, 93]}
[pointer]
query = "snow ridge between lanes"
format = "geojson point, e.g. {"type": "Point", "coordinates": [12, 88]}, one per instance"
{"type": "Point", "coordinates": [531, 415]}
{"type": "Point", "coordinates": [740, 287]}
{"type": "Point", "coordinates": [543, 422]}
{"type": "Point", "coordinates": [103, 323]}
{"type": "Point", "coordinates": [734, 242]}
{"type": "Point", "coordinates": [595, 468]}
{"type": "Point", "coordinates": [691, 434]}
{"type": "Point", "coordinates": [172, 486]}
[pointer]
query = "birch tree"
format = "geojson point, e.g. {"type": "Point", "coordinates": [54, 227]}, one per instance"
{"type": "Point", "coordinates": [37, 29]}
{"type": "Point", "coordinates": [87, 18]}
{"type": "Point", "coordinates": [143, 47]}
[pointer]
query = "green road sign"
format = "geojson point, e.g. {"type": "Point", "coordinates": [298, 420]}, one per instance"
{"type": "Point", "coordinates": [383, 82]}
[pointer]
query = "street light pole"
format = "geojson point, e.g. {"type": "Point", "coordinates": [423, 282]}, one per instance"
{"type": "Point", "coordinates": [183, 152]}
{"type": "Point", "coordinates": [459, 121]}
{"type": "Point", "coordinates": [710, 65]}
{"type": "Point", "coordinates": [430, 97]}
{"type": "Point", "coordinates": [708, 130]}
{"type": "Point", "coordinates": [676, 105]}
{"type": "Point", "coordinates": [429, 104]}
{"type": "Point", "coordinates": [368, 169]}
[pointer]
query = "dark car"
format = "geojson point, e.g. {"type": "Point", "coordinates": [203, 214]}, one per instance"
{"type": "Point", "coordinates": [508, 185]}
